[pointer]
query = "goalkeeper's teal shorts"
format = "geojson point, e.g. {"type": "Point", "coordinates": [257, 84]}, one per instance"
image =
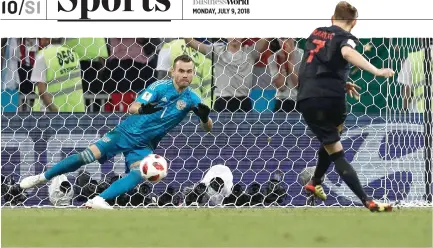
{"type": "Point", "coordinates": [113, 143]}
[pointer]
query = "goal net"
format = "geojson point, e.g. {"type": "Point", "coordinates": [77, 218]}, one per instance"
{"type": "Point", "coordinates": [257, 133]}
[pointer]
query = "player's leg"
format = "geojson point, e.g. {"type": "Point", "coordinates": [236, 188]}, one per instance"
{"type": "Point", "coordinates": [101, 150]}
{"type": "Point", "coordinates": [346, 170]}
{"type": "Point", "coordinates": [321, 116]}
{"type": "Point", "coordinates": [350, 177]}
{"type": "Point", "coordinates": [324, 118]}
{"type": "Point", "coordinates": [125, 184]}
{"type": "Point", "coordinates": [323, 163]}
{"type": "Point", "coordinates": [69, 164]}
{"type": "Point", "coordinates": [330, 138]}
{"type": "Point", "coordinates": [315, 118]}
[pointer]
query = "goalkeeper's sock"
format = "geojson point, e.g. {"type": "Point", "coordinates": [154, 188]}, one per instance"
{"type": "Point", "coordinates": [70, 164]}
{"type": "Point", "coordinates": [122, 185]}
{"type": "Point", "coordinates": [323, 163]}
{"type": "Point", "coordinates": [348, 174]}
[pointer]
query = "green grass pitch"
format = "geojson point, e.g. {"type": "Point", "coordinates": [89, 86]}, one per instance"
{"type": "Point", "coordinates": [273, 227]}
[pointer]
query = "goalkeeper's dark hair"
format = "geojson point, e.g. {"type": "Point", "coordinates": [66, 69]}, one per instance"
{"type": "Point", "coordinates": [344, 11]}
{"type": "Point", "coordinates": [184, 58]}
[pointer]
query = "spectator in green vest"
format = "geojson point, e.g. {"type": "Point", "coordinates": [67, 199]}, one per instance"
{"type": "Point", "coordinates": [92, 53]}
{"type": "Point", "coordinates": [57, 76]}
{"type": "Point", "coordinates": [88, 48]}
{"type": "Point", "coordinates": [412, 77]}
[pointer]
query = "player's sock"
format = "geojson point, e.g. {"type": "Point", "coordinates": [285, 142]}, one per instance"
{"type": "Point", "coordinates": [70, 164]}
{"type": "Point", "coordinates": [348, 174]}
{"type": "Point", "coordinates": [323, 163]}
{"type": "Point", "coordinates": [122, 185]}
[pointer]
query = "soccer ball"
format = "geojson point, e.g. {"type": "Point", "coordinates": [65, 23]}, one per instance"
{"type": "Point", "coordinates": [153, 168]}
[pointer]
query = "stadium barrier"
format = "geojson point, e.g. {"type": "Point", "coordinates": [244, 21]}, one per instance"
{"type": "Point", "coordinates": [387, 154]}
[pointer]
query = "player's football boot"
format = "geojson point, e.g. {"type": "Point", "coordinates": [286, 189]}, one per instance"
{"type": "Point", "coordinates": [32, 181]}
{"type": "Point", "coordinates": [97, 203]}
{"type": "Point", "coordinates": [378, 206]}
{"type": "Point", "coordinates": [317, 190]}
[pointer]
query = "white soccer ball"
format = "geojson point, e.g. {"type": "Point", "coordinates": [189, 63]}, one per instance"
{"type": "Point", "coordinates": [153, 168]}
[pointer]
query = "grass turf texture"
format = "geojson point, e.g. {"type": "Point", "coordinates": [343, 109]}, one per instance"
{"type": "Point", "coordinates": [311, 227]}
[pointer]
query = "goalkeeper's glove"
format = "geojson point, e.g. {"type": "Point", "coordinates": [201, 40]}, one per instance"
{"type": "Point", "coordinates": [202, 111]}
{"type": "Point", "coordinates": [148, 108]}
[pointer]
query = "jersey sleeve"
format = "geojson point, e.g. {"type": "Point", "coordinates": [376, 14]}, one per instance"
{"type": "Point", "coordinates": [348, 40]}
{"type": "Point", "coordinates": [195, 99]}
{"type": "Point", "coordinates": [151, 94]}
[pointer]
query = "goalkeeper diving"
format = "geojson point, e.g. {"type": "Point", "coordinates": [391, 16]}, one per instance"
{"type": "Point", "coordinates": [156, 111]}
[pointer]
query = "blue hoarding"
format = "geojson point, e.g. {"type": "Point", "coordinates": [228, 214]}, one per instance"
{"type": "Point", "coordinates": [387, 154]}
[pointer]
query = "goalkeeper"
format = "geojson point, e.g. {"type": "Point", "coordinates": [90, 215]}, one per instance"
{"type": "Point", "coordinates": [161, 107]}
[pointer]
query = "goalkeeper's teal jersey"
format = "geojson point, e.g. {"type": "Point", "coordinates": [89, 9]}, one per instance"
{"type": "Point", "coordinates": [148, 130]}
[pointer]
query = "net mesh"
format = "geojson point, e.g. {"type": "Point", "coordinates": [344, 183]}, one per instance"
{"type": "Point", "coordinates": [258, 133]}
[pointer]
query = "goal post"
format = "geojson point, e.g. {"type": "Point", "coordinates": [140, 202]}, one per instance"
{"type": "Point", "coordinates": [387, 136]}
{"type": "Point", "coordinates": [428, 120]}
{"type": "Point", "coordinates": [412, 101]}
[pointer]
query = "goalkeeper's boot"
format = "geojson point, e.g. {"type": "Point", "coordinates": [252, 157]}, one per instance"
{"type": "Point", "coordinates": [32, 181]}
{"type": "Point", "coordinates": [317, 190]}
{"type": "Point", "coordinates": [378, 206]}
{"type": "Point", "coordinates": [97, 203]}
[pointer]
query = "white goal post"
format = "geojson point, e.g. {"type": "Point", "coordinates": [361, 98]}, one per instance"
{"type": "Point", "coordinates": [387, 137]}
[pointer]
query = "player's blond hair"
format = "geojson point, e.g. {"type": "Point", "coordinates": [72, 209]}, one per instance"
{"type": "Point", "coordinates": [344, 11]}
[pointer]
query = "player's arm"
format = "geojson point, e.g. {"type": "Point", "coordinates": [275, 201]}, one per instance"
{"type": "Point", "coordinates": [146, 102]}
{"type": "Point", "coordinates": [355, 58]}
{"type": "Point", "coordinates": [278, 74]}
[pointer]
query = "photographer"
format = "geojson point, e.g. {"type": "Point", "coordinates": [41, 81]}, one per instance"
{"type": "Point", "coordinates": [213, 188]}
{"type": "Point", "coordinates": [252, 196]}
{"type": "Point", "coordinates": [168, 197]}
{"type": "Point", "coordinates": [275, 193]}
{"type": "Point", "coordinates": [11, 192]}
{"type": "Point", "coordinates": [60, 191]}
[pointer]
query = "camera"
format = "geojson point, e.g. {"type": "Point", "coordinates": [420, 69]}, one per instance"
{"type": "Point", "coordinates": [12, 192]}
